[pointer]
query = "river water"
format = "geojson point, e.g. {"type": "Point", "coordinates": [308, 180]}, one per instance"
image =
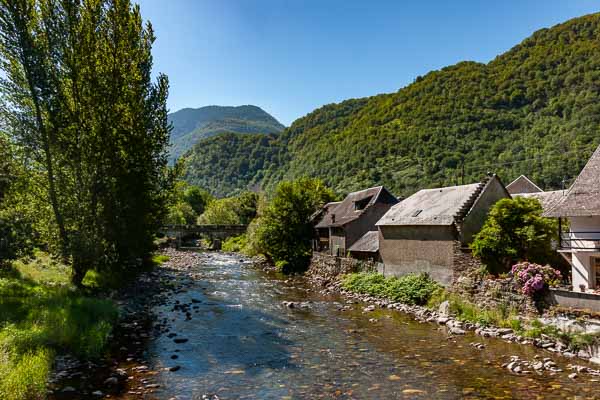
{"type": "Point", "coordinates": [242, 343]}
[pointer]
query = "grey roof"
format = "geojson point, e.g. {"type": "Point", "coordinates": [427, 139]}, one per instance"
{"type": "Point", "coordinates": [368, 243]}
{"type": "Point", "coordinates": [522, 185]}
{"type": "Point", "coordinates": [583, 198]}
{"type": "Point", "coordinates": [345, 212]}
{"type": "Point", "coordinates": [320, 214]}
{"type": "Point", "coordinates": [546, 199]}
{"type": "Point", "coordinates": [439, 206]}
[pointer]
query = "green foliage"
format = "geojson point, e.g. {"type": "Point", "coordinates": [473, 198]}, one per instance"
{"type": "Point", "coordinates": [238, 210]}
{"type": "Point", "coordinates": [229, 162]}
{"type": "Point", "coordinates": [186, 203]}
{"type": "Point", "coordinates": [284, 232]}
{"type": "Point", "coordinates": [192, 125]}
{"type": "Point", "coordinates": [515, 230]}
{"type": "Point", "coordinates": [197, 198]}
{"type": "Point", "coordinates": [80, 106]}
{"type": "Point", "coordinates": [408, 289]}
{"type": "Point", "coordinates": [235, 244]}
{"type": "Point", "coordinates": [533, 110]}
{"type": "Point", "coordinates": [467, 311]}
{"type": "Point", "coordinates": [40, 315]}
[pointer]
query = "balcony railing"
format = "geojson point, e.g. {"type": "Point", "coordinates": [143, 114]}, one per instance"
{"type": "Point", "coordinates": [580, 241]}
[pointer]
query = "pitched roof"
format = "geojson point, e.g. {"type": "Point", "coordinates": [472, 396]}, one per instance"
{"type": "Point", "coordinates": [345, 211]}
{"type": "Point", "coordinates": [321, 213]}
{"type": "Point", "coordinates": [368, 243]}
{"type": "Point", "coordinates": [523, 185]}
{"type": "Point", "coordinates": [440, 206]}
{"type": "Point", "coordinates": [546, 199]}
{"type": "Point", "coordinates": [583, 198]}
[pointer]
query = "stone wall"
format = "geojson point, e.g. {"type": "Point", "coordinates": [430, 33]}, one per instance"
{"type": "Point", "coordinates": [326, 269]}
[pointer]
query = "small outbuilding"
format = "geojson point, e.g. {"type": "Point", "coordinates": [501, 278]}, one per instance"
{"type": "Point", "coordinates": [430, 230]}
{"type": "Point", "coordinates": [351, 219]}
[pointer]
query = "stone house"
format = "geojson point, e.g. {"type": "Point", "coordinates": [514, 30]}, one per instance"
{"type": "Point", "coordinates": [352, 218]}
{"type": "Point", "coordinates": [525, 187]}
{"type": "Point", "coordinates": [430, 230]}
{"type": "Point", "coordinates": [321, 238]}
{"type": "Point", "coordinates": [580, 244]}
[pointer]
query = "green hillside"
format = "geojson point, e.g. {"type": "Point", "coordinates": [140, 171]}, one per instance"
{"type": "Point", "coordinates": [193, 124]}
{"type": "Point", "coordinates": [230, 162]}
{"type": "Point", "coordinates": [533, 110]}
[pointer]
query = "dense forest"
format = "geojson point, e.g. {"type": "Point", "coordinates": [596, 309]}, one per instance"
{"type": "Point", "coordinates": [533, 110]}
{"type": "Point", "coordinates": [193, 124]}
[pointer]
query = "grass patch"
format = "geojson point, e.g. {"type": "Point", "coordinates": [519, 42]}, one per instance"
{"type": "Point", "coordinates": [409, 289]}
{"type": "Point", "coordinates": [159, 259]}
{"type": "Point", "coordinates": [466, 311]}
{"type": "Point", "coordinates": [40, 315]}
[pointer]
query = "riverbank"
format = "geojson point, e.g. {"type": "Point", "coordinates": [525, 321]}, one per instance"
{"type": "Point", "coordinates": [217, 325]}
{"type": "Point", "coordinates": [329, 283]}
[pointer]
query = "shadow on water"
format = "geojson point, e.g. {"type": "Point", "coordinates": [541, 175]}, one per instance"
{"type": "Point", "coordinates": [243, 344]}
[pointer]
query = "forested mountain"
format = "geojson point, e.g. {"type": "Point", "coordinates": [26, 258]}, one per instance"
{"type": "Point", "coordinates": [230, 162]}
{"type": "Point", "coordinates": [533, 110]}
{"type": "Point", "coordinates": [192, 124]}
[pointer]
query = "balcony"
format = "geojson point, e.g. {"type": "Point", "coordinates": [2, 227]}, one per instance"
{"type": "Point", "coordinates": [580, 241]}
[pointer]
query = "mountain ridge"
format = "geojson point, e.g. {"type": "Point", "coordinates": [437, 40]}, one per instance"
{"type": "Point", "coordinates": [534, 110]}
{"type": "Point", "coordinates": [189, 125]}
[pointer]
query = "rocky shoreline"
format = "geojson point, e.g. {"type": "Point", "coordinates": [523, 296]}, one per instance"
{"type": "Point", "coordinates": [332, 285]}
{"type": "Point", "coordinates": [124, 373]}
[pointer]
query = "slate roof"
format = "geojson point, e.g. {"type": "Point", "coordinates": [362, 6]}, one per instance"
{"type": "Point", "coordinates": [523, 185]}
{"type": "Point", "coordinates": [439, 206]}
{"type": "Point", "coordinates": [368, 243]}
{"type": "Point", "coordinates": [345, 212]}
{"type": "Point", "coordinates": [322, 213]}
{"type": "Point", "coordinates": [547, 199]}
{"type": "Point", "coordinates": [583, 198]}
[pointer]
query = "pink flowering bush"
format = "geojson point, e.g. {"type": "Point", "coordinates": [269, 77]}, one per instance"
{"type": "Point", "coordinates": [534, 277]}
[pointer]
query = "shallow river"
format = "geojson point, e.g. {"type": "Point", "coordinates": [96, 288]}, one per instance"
{"type": "Point", "coordinates": [244, 344]}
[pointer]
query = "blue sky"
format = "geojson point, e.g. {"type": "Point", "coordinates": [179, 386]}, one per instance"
{"type": "Point", "coordinates": [290, 57]}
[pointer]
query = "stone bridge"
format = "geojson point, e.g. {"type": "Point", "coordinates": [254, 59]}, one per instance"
{"type": "Point", "coordinates": [211, 232]}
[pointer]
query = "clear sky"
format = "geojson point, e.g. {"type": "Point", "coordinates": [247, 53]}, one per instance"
{"type": "Point", "coordinates": [290, 57]}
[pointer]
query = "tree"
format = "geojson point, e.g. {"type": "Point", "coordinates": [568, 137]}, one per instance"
{"type": "Point", "coordinates": [197, 198]}
{"type": "Point", "coordinates": [284, 231]}
{"type": "Point", "coordinates": [79, 101]}
{"type": "Point", "coordinates": [515, 231]}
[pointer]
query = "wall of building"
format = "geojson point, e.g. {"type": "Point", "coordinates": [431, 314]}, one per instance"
{"type": "Point", "coordinates": [337, 241]}
{"type": "Point", "coordinates": [474, 221]}
{"type": "Point", "coordinates": [574, 299]}
{"type": "Point", "coordinates": [325, 268]}
{"type": "Point", "coordinates": [415, 249]}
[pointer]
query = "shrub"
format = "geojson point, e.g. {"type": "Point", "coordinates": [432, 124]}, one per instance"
{"type": "Point", "coordinates": [234, 244]}
{"type": "Point", "coordinates": [409, 289]}
{"type": "Point", "coordinates": [534, 278]}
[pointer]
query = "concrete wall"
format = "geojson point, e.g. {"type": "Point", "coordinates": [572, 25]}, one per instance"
{"type": "Point", "coordinates": [582, 301]}
{"type": "Point", "coordinates": [474, 221]}
{"type": "Point", "coordinates": [415, 249]}
{"type": "Point", "coordinates": [584, 235]}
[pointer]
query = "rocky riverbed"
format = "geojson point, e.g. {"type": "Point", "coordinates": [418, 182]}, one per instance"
{"type": "Point", "coordinates": [214, 326]}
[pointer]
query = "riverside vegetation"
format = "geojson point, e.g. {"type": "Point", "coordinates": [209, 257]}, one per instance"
{"type": "Point", "coordinates": [84, 181]}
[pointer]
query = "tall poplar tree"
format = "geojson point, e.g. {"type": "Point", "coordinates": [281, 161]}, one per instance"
{"type": "Point", "coordinates": [79, 98]}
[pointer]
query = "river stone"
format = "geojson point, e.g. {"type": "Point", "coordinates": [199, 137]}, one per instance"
{"type": "Point", "coordinates": [456, 331]}
{"type": "Point", "coordinates": [444, 309]}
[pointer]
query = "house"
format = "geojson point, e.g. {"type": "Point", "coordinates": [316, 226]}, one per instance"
{"type": "Point", "coordinates": [429, 231]}
{"type": "Point", "coordinates": [351, 219]}
{"type": "Point", "coordinates": [580, 206]}
{"type": "Point", "coordinates": [522, 185]}
{"type": "Point", "coordinates": [321, 241]}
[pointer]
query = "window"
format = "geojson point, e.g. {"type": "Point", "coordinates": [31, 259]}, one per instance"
{"type": "Point", "coordinates": [417, 212]}
{"type": "Point", "coordinates": [362, 204]}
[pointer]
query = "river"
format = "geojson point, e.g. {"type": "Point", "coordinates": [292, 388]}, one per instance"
{"type": "Point", "coordinates": [242, 343]}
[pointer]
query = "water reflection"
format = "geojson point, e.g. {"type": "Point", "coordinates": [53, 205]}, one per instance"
{"type": "Point", "coordinates": [242, 343]}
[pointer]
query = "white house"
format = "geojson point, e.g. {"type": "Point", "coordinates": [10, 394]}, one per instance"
{"type": "Point", "coordinates": [581, 243]}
